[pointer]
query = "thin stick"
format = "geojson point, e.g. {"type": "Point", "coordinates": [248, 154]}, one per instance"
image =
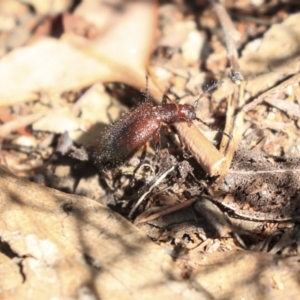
{"type": "Point", "coordinates": [157, 182]}
{"type": "Point", "coordinates": [270, 93]}
{"type": "Point", "coordinates": [214, 128]}
{"type": "Point", "coordinates": [20, 122]}
{"type": "Point", "coordinates": [232, 38]}
{"type": "Point", "coordinates": [166, 211]}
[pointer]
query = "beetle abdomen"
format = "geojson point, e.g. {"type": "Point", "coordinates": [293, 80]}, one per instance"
{"type": "Point", "coordinates": [126, 136]}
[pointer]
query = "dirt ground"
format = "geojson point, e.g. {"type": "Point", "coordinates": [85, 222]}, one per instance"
{"type": "Point", "coordinates": [149, 149]}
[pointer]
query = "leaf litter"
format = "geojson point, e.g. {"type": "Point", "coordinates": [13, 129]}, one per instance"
{"type": "Point", "coordinates": [64, 85]}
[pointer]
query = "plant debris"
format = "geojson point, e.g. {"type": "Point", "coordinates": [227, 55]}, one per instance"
{"type": "Point", "coordinates": [218, 194]}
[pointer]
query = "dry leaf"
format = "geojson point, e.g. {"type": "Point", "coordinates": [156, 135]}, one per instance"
{"type": "Point", "coordinates": [49, 7]}
{"type": "Point", "coordinates": [65, 246]}
{"type": "Point", "coordinates": [121, 53]}
{"type": "Point", "coordinates": [278, 45]}
{"type": "Point", "coordinates": [248, 275]}
{"type": "Point", "coordinates": [59, 121]}
{"type": "Point", "coordinates": [49, 66]}
{"type": "Point", "coordinates": [126, 42]}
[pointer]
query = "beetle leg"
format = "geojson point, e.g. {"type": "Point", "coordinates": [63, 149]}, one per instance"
{"type": "Point", "coordinates": [214, 128]}
{"type": "Point", "coordinates": [185, 153]}
{"type": "Point", "coordinates": [144, 152]}
{"type": "Point", "coordinates": [142, 159]}
{"type": "Point", "coordinates": [143, 156]}
{"type": "Point", "coordinates": [146, 92]}
{"type": "Point", "coordinates": [165, 99]}
{"type": "Point", "coordinates": [157, 141]}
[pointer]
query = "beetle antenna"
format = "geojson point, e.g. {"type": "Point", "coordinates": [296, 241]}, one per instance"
{"type": "Point", "coordinates": [208, 90]}
{"type": "Point", "coordinates": [146, 92]}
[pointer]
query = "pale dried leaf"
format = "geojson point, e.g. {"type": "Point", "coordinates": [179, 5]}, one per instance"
{"type": "Point", "coordinates": [49, 7]}
{"type": "Point", "coordinates": [126, 42]}
{"type": "Point", "coordinates": [68, 245]}
{"type": "Point", "coordinates": [58, 122]}
{"type": "Point", "coordinates": [49, 66]}
{"type": "Point", "coordinates": [278, 45]}
{"type": "Point", "coordinates": [247, 275]}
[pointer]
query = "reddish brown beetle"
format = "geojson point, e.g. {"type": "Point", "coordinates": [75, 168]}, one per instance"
{"type": "Point", "coordinates": [134, 130]}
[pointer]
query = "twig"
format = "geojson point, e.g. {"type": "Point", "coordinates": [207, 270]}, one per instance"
{"type": "Point", "coordinates": [157, 182]}
{"type": "Point", "coordinates": [8, 127]}
{"type": "Point", "coordinates": [217, 219]}
{"type": "Point", "coordinates": [270, 93]}
{"type": "Point", "coordinates": [165, 211]}
{"type": "Point", "coordinates": [232, 38]}
{"type": "Point", "coordinates": [235, 127]}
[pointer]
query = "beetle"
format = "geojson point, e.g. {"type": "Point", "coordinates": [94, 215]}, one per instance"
{"type": "Point", "coordinates": [136, 128]}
